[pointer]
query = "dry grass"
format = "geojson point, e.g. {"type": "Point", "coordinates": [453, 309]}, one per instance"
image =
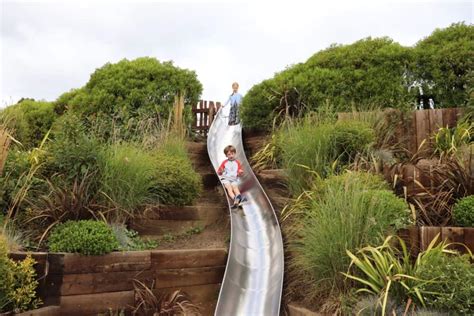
{"type": "Point", "coordinates": [5, 140]}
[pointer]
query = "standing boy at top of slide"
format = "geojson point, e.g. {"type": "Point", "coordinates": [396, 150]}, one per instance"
{"type": "Point", "coordinates": [234, 99]}
{"type": "Point", "coordinates": [229, 170]}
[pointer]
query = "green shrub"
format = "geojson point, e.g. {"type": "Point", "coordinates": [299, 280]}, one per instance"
{"type": "Point", "coordinates": [6, 280]}
{"type": "Point", "coordinates": [132, 90]}
{"type": "Point", "coordinates": [73, 153]}
{"type": "Point", "coordinates": [369, 71]}
{"type": "Point", "coordinates": [345, 212]}
{"type": "Point", "coordinates": [17, 166]}
{"type": "Point", "coordinates": [453, 286]}
{"type": "Point", "coordinates": [176, 181]}
{"type": "Point", "coordinates": [29, 120]}
{"type": "Point", "coordinates": [128, 176]}
{"type": "Point", "coordinates": [307, 146]}
{"type": "Point", "coordinates": [18, 282]}
{"type": "Point", "coordinates": [321, 148]}
{"type": "Point", "coordinates": [86, 237]}
{"type": "Point", "coordinates": [463, 212]}
{"type": "Point", "coordinates": [438, 278]}
{"type": "Point", "coordinates": [350, 138]}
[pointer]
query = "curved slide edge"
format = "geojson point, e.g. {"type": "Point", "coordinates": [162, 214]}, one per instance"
{"type": "Point", "coordinates": [253, 278]}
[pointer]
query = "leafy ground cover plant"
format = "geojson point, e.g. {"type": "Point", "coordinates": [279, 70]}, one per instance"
{"type": "Point", "coordinates": [86, 237]}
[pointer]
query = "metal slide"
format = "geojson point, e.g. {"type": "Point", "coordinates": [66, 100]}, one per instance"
{"type": "Point", "coordinates": [253, 277]}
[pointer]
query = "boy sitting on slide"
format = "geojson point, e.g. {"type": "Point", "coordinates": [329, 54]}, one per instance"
{"type": "Point", "coordinates": [229, 170]}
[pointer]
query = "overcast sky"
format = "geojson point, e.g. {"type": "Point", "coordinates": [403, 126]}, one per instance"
{"type": "Point", "coordinates": [48, 47]}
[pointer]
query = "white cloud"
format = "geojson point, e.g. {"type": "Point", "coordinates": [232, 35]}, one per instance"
{"type": "Point", "coordinates": [49, 47]}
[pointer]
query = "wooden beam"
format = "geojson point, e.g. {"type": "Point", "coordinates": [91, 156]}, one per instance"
{"type": "Point", "coordinates": [190, 258]}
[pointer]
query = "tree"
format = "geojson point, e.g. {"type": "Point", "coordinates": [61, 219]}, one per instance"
{"type": "Point", "coordinates": [365, 73]}
{"type": "Point", "coordinates": [133, 90]}
{"type": "Point", "coordinates": [444, 62]}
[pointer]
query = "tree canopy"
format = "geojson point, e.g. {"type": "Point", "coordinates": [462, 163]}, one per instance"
{"type": "Point", "coordinates": [370, 72]}
{"type": "Point", "coordinates": [444, 63]}
{"type": "Point", "coordinates": [139, 88]}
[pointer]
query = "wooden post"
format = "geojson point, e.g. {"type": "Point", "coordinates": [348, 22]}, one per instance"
{"type": "Point", "coordinates": [178, 115]}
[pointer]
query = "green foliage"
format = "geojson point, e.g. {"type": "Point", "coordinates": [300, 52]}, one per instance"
{"type": "Point", "coordinates": [463, 212]}
{"type": "Point", "coordinates": [128, 176]}
{"type": "Point", "coordinates": [350, 138]}
{"type": "Point", "coordinates": [443, 62]}
{"type": "Point", "coordinates": [367, 72]}
{"type": "Point", "coordinates": [23, 296]}
{"type": "Point", "coordinates": [343, 212]}
{"type": "Point", "coordinates": [128, 239]}
{"type": "Point", "coordinates": [269, 157]}
{"type": "Point", "coordinates": [307, 146]}
{"type": "Point", "coordinates": [453, 286]}
{"type": "Point", "coordinates": [434, 279]}
{"type": "Point", "coordinates": [130, 91]}
{"type": "Point", "coordinates": [6, 280]}
{"type": "Point", "coordinates": [29, 120]}
{"type": "Point", "coordinates": [449, 140]}
{"type": "Point", "coordinates": [17, 166]}
{"type": "Point", "coordinates": [86, 237]}
{"type": "Point", "coordinates": [18, 282]}
{"type": "Point", "coordinates": [194, 230]}
{"type": "Point", "coordinates": [310, 149]}
{"type": "Point", "coordinates": [73, 153]}
{"type": "Point", "coordinates": [176, 182]}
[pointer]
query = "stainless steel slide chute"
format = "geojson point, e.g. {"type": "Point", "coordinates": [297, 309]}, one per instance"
{"type": "Point", "coordinates": [253, 278]}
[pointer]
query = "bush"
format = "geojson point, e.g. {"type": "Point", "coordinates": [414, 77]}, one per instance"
{"type": "Point", "coordinates": [176, 181]}
{"type": "Point", "coordinates": [306, 146]}
{"type": "Point", "coordinates": [369, 71]}
{"type": "Point", "coordinates": [345, 212]}
{"type": "Point", "coordinates": [128, 91]}
{"type": "Point", "coordinates": [86, 237]}
{"type": "Point", "coordinates": [438, 278]}
{"type": "Point", "coordinates": [350, 138]}
{"type": "Point", "coordinates": [463, 212]}
{"type": "Point", "coordinates": [321, 148]}
{"type": "Point", "coordinates": [17, 166]}
{"type": "Point", "coordinates": [453, 286]}
{"type": "Point", "coordinates": [29, 120]}
{"type": "Point", "coordinates": [73, 153]}
{"type": "Point", "coordinates": [128, 176]}
{"type": "Point", "coordinates": [6, 280]}
{"type": "Point", "coordinates": [18, 283]}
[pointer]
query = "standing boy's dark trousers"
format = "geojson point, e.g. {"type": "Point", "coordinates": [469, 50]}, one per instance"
{"type": "Point", "coordinates": [234, 118]}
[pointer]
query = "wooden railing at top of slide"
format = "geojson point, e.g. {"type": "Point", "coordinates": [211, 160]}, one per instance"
{"type": "Point", "coordinates": [204, 112]}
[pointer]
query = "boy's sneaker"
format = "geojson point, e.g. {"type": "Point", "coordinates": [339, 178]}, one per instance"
{"type": "Point", "coordinates": [238, 199]}
{"type": "Point", "coordinates": [236, 202]}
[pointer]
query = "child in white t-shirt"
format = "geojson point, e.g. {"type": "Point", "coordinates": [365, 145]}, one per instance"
{"type": "Point", "coordinates": [229, 171]}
